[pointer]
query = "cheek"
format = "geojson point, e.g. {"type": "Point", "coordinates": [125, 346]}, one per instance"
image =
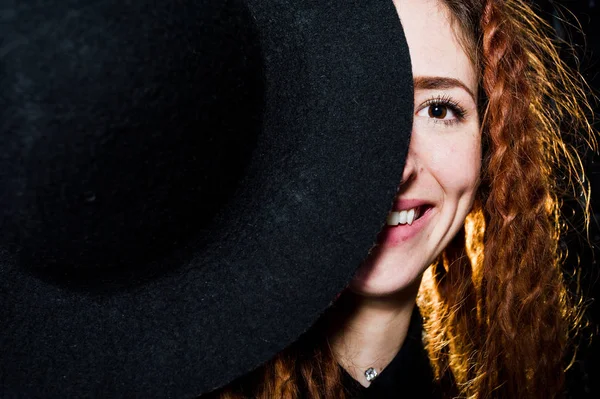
{"type": "Point", "coordinates": [457, 166]}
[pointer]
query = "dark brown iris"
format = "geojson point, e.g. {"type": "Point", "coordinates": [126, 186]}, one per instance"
{"type": "Point", "coordinates": [438, 111]}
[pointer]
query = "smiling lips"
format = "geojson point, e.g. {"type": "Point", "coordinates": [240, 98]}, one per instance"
{"type": "Point", "coordinates": [406, 220]}
{"type": "Point", "coordinates": [407, 211]}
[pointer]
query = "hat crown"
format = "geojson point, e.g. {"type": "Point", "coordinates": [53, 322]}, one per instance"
{"type": "Point", "coordinates": [112, 155]}
{"type": "Point", "coordinates": [122, 122]}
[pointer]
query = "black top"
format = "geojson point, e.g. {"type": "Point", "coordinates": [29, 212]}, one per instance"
{"type": "Point", "coordinates": [409, 375]}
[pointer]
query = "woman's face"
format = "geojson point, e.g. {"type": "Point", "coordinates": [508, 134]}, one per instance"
{"type": "Point", "coordinates": [443, 164]}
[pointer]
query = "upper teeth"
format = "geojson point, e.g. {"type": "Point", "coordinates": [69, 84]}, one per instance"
{"type": "Point", "coordinates": [403, 217]}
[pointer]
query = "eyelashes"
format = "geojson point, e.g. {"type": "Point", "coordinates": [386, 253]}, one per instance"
{"type": "Point", "coordinates": [443, 109]}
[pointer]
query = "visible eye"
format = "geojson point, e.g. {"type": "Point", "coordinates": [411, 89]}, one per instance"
{"type": "Point", "coordinates": [439, 111]}
{"type": "Point", "coordinates": [442, 109]}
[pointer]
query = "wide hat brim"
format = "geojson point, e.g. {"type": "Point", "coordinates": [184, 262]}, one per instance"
{"type": "Point", "coordinates": [334, 132]}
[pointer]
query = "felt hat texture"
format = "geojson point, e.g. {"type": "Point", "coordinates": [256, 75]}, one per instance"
{"type": "Point", "coordinates": [185, 186]}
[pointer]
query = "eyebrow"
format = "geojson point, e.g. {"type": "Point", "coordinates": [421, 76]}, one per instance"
{"type": "Point", "coordinates": [440, 83]}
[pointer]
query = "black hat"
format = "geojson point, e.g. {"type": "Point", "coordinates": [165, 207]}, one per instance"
{"type": "Point", "coordinates": [185, 186]}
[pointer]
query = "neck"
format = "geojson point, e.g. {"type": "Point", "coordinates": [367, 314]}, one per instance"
{"type": "Point", "coordinates": [369, 331]}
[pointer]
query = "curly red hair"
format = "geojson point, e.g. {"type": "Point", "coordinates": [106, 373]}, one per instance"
{"type": "Point", "coordinates": [498, 316]}
{"type": "Point", "coordinates": [497, 309]}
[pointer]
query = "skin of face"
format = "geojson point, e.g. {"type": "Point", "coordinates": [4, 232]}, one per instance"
{"type": "Point", "coordinates": [444, 159]}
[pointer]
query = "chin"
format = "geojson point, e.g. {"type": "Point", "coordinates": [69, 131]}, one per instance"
{"type": "Point", "coordinates": [383, 289]}
{"type": "Point", "coordinates": [380, 277]}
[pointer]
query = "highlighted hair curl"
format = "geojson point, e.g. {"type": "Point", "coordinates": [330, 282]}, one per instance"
{"type": "Point", "coordinates": [498, 313]}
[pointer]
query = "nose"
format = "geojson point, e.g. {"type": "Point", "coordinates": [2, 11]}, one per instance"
{"type": "Point", "coordinates": [410, 167]}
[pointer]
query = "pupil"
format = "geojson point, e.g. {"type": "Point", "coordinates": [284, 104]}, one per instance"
{"type": "Point", "coordinates": [437, 111]}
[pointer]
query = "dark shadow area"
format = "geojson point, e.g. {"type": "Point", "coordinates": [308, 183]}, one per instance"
{"type": "Point", "coordinates": [578, 22]}
{"type": "Point", "coordinates": [128, 161]}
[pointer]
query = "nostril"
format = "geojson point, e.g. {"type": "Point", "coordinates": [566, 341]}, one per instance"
{"type": "Point", "coordinates": [406, 178]}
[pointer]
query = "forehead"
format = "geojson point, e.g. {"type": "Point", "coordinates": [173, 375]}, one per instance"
{"type": "Point", "coordinates": [434, 45]}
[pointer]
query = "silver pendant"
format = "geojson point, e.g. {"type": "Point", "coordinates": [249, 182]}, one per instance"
{"type": "Point", "coordinates": [370, 374]}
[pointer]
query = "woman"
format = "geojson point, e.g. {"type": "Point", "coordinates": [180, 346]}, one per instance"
{"type": "Point", "coordinates": [479, 201]}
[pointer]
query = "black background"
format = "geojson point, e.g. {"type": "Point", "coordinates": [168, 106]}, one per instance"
{"type": "Point", "coordinates": [578, 22]}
